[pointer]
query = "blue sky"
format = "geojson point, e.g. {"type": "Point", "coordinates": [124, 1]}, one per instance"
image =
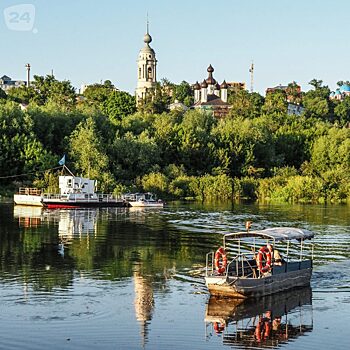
{"type": "Point", "coordinates": [86, 41]}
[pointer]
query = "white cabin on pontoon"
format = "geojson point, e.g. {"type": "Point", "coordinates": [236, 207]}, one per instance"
{"type": "Point", "coordinates": [74, 184]}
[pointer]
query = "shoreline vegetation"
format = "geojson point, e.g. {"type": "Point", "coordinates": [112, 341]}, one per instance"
{"type": "Point", "coordinates": [257, 152]}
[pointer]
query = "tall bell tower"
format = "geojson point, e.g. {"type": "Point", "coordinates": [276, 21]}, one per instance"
{"type": "Point", "coordinates": [146, 68]}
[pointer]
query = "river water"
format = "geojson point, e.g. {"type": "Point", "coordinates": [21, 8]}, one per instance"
{"type": "Point", "coordinates": [133, 279]}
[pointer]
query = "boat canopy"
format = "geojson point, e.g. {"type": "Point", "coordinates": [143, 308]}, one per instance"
{"type": "Point", "coordinates": [276, 233]}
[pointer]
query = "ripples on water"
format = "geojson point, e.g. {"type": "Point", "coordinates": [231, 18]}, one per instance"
{"type": "Point", "coordinates": [131, 279]}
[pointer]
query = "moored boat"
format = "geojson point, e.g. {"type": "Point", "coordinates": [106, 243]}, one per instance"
{"type": "Point", "coordinates": [144, 200]}
{"type": "Point", "coordinates": [75, 192]}
{"type": "Point", "coordinates": [250, 265]}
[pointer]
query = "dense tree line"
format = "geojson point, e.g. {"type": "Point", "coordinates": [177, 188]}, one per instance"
{"type": "Point", "coordinates": [258, 151]}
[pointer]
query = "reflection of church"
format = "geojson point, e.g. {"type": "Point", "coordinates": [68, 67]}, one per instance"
{"type": "Point", "coordinates": [144, 302]}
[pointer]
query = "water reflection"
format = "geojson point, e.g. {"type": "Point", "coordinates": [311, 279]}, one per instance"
{"type": "Point", "coordinates": [267, 322]}
{"type": "Point", "coordinates": [80, 231]}
{"type": "Point", "coordinates": [132, 279]}
{"type": "Point", "coordinates": [28, 216]}
{"type": "Point", "coordinates": [144, 302]}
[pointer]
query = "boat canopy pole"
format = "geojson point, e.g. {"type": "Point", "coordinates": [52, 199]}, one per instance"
{"type": "Point", "coordinates": [287, 250]}
{"type": "Point", "coordinates": [301, 249]}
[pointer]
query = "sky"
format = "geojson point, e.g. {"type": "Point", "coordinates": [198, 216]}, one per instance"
{"type": "Point", "coordinates": [86, 41]}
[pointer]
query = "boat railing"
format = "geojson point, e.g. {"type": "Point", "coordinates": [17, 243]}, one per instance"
{"type": "Point", "coordinates": [32, 191]}
{"type": "Point", "coordinates": [240, 266]}
{"type": "Point", "coordinates": [51, 196]}
{"type": "Point", "coordinates": [101, 197]}
{"type": "Point", "coordinates": [209, 263]}
{"type": "Point", "coordinates": [107, 197]}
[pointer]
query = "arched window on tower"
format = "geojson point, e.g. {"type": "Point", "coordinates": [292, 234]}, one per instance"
{"type": "Point", "coordinates": [149, 73]}
{"type": "Point", "coordinates": [139, 73]}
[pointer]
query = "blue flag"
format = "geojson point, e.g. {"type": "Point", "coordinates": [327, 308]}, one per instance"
{"type": "Point", "coordinates": [62, 161]}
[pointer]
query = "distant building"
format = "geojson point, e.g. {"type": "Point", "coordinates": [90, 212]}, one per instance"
{"type": "Point", "coordinates": [146, 69]}
{"type": "Point", "coordinates": [286, 90]}
{"type": "Point", "coordinates": [82, 89]}
{"type": "Point", "coordinates": [210, 96]}
{"type": "Point", "coordinates": [340, 93]}
{"type": "Point", "coordinates": [295, 109]}
{"type": "Point", "coordinates": [176, 105]}
{"type": "Point", "coordinates": [7, 83]}
{"type": "Point", "coordinates": [234, 86]}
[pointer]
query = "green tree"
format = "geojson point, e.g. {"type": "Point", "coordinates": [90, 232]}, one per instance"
{"type": "Point", "coordinates": [316, 106]}
{"type": "Point", "coordinates": [97, 94]}
{"type": "Point", "coordinates": [52, 126]}
{"type": "Point", "coordinates": [331, 151]}
{"type": "Point", "coordinates": [60, 93]}
{"type": "Point", "coordinates": [342, 111]}
{"type": "Point", "coordinates": [275, 103]}
{"type": "Point", "coordinates": [242, 146]}
{"type": "Point", "coordinates": [183, 93]}
{"type": "Point", "coordinates": [157, 99]}
{"type": "Point", "coordinates": [195, 140]}
{"type": "Point", "coordinates": [133, 156]}
{"type": "Point", "coordinates": [20, 151]}
{"type": "Point", "coordinates": [317, 84]}
{"type": "Point", "coordinates": [245, 104]}
{"type": "Point", "coordinates": [22, 94]}
{"type": "Point", "coordinates": [118, 105]}
{"type": "Point", "coordinates": [88, 153]}
{"type": "Point", "coordinates": [3, 95]}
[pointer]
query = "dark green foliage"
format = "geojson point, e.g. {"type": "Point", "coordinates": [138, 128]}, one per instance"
{"type": "Point", "coordinates": [118, 105]}
{"type": "Point", "coordinates": [97, 94]}
{"type": "Point", "coordinates": [3, 95]}
{"type": "Point", "coordinates": [20, 151]}
{"type": "Point", "coordinates": [256, 152]}
{"type": "Point", "coordinates": [183, 93]}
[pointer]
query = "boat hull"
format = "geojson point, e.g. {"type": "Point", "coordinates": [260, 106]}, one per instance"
{"type": "Point", "coordinates": [39, 201]}
{"type": "Point", "coordinates": [82, 204]}
{"type": "Point", "coordinates": [23, 199]}
{"type": "Point", "coordinates": [242, 287]}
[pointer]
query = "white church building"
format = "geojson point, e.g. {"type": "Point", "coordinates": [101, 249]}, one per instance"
{"type": "Point", "coordinates": [147, 68]}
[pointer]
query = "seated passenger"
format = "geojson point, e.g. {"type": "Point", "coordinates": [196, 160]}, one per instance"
{"type": "Point", "coordinates": [276, 256]}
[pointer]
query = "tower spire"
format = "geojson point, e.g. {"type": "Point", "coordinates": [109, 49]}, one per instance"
{"type": "Point", "coordinates": [251, 71]}
{"type": "Point", "coordinates": [147, 38]}
{"type": "Point", "coordinates": [147, 24]}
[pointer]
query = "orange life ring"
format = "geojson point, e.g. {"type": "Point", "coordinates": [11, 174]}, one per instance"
{"type": "Point", "coordinates": [262, 329]}
{"type": "Point", "coordinates": [219, 327]}
{"type": "Point", "coordinates": [264, 255]}
{"type": "Point", "coordinates": [220, 266]}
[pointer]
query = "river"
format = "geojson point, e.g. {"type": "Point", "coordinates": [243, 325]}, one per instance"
{"type": "Point", "coordinates": [133, 279]}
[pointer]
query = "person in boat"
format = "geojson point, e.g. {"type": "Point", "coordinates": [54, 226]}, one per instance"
{"type": "Point", "coordinates": [276, 256]}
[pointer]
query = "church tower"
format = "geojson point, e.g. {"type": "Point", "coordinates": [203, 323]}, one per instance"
{"type": "Point", "coordinates": [146, 68]}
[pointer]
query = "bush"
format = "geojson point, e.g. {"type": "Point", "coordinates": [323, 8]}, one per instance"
{"type": "Point", "coordinates": [246, 188]}
{"type": "Point", "coordinates": [156, 183]}
{"type": "Point", "coordinates": [180, 187]}
{"type": "Point", "coordinates": [210, 187]}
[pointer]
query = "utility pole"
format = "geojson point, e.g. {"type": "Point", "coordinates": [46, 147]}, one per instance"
{"type": "Point", "coordinates": [251, 71]}
{"type": "Point", "coordinates": [28, 74]}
